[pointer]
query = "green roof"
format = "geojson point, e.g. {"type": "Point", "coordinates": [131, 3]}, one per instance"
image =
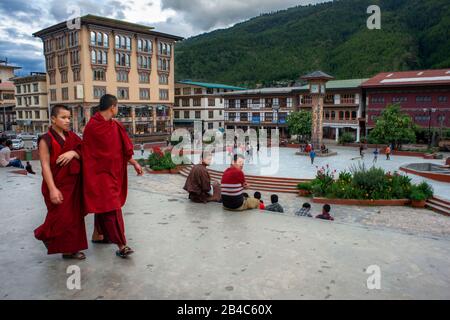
{"type": "Point", "coordinates": [210, 85]}
{"type": "Point", "coordinates": [341, 84]}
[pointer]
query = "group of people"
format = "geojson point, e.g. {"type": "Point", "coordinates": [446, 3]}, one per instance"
{"type": "Point", "coordinates": [82, 177]}
{"type": "Point", "coordinates": [376, 152]}
{"type": "Point", "coordinates": [231, 190]}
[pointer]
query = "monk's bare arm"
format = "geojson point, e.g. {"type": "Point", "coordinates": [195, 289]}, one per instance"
{"type": "Point", "coordinates": [137, 167]}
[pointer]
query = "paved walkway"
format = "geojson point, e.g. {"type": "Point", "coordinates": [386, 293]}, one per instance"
{"type": "Point", "coordinates": [195, 251]}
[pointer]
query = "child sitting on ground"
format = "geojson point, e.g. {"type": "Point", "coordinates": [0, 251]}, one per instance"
{"type": "Point", "coordinates": [275, 206]}
{"type": "Point", "coordinates": [325, 213]}
{"type": "Point", "coordinates": [257, 195]}
{"type": "Point", "coordinates": [304, 211]}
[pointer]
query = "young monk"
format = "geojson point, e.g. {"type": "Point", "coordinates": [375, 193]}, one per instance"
{"type": "Point", "coordinates": [106, 151]}
{"type": "Point", "coordinates": [59, 150]}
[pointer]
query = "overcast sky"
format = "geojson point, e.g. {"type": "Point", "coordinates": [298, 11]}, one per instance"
{"type": "Point", "coordinates": [20, 18]}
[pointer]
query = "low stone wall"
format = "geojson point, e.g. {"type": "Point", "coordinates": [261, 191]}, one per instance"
{"type": "Point", "coordinates": [20, 154]}
{"type": "Point", "coordinates": [355, 202]}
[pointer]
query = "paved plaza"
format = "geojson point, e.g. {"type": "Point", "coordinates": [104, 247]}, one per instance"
{"type": "Point", "coordinates": [195, 251]}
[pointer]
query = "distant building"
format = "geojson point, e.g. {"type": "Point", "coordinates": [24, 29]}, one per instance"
{"type": "Point", "coordinates": [128, 60]}
{"type": "Point", "coordinates": [199, 101]}
{"type": "Point", "coordinates": [32, 111]}
{"type": "Point", "coordinates": [424, 95]}
{"type": "Point", "coordinates": [7, 101]}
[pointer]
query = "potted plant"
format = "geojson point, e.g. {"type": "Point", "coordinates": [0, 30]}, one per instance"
{"type": "Point", "coordinates": [418, 197]}
{"type": "Point", "coordinates": [304, 189]}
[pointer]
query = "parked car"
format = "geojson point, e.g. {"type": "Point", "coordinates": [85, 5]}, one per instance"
{"type": "Point", "coordinates": [35, 145]}
{"type": "Point", "coordinates": [17, 144]}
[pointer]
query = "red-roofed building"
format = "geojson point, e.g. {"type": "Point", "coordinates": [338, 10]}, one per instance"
{"type": "Point", "coordinates": [420, 94]}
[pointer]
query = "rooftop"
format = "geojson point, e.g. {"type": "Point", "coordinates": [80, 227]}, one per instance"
{"type": "Point", "coordinates": [409, 78]}
{"type": "Point", "coordinates": [209, 85]}
{"type": "Point", "coordinates": [107, 22]}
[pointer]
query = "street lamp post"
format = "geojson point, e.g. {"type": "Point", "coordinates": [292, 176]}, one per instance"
{"type": "Point", "coordinates": [430, 111]}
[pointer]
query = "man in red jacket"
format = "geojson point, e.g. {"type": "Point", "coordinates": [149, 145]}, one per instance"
{"type": "Point", "coordinates": [106, 151]}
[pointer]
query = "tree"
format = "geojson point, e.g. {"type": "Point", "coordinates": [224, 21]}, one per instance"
{"type": "Point", "coordinates": [393, 126]}
{"type": "Point", "coordinates": [299, 123]}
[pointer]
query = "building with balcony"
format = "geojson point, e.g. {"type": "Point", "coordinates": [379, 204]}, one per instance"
{"type": "Point", "coordinates": [424, 95]}
{"type": "Point", "coordinates": [199, 101]}
{"type": "Point", "coordinates": [265, 108]}
{"type": "Point", "coordinates": [131, 61]}
{"type": "Point", "coordinates": [7, 101]}
{"type": "Point", "coordinates": [32, 113]}
{"type": "Point", "coordinates": [343, 107]}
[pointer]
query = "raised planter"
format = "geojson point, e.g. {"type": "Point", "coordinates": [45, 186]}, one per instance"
{"type": "Point", "coordinates": [356, 202]}
{"type": "Point", "coordinates": [304, 193]}
{"type": "Point", "coordinates": [418, 203]}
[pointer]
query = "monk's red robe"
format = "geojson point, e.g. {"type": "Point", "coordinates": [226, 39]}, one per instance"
{"type": "Point", "coordinates": [64, 229]}
{"type": "Point", "coordinates": [106, 150]}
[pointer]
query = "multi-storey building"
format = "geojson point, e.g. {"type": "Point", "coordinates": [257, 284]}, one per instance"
{"type": "Point", "coordinates": [7, 102]}
{"type": "Point", "coordinates": [32, 114]}
{"type": "Point", "coordinates": [130, 61]}
{"type": "Point", "coordinates": [424, 95]}
{"type": "Point", "coordinates": [343, 107]}
{"type": "Point", "coordinates": [265, 108]}
{"type": "Point", "coordinates": [198, 101]}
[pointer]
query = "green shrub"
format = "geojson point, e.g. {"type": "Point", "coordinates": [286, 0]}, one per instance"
{"type": "Point", "coordinates": [426, 189]}
{"type": "Point", "coordinates": [304, 186]}
{"type": "Point", "coordinates": [346, 137]}
{"type": "Point", "coordinates": [417, 194]}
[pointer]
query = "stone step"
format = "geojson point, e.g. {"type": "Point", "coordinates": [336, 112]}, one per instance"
{"type": "Point", "coordinates": [437, 208]}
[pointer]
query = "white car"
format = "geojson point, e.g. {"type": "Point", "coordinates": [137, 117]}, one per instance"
{"type": "Point", "coordinates": [17, 144]}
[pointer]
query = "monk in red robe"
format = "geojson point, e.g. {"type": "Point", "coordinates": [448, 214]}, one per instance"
{"type": "Point", "coordinates": [106, 151]}
{"type": "Point", "coordinates": [59, 150]}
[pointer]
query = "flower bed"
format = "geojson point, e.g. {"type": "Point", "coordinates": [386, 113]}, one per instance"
{"type": "Point", "coordinates": [159, 162]}
{"type": "Point", "coordinates": [362, 186]}
{"type": "Point", "coordinates": [356, 202]}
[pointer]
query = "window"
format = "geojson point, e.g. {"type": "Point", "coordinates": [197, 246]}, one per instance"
{"type": "Point", "coordinates": [341, 115]}
{"type": "Point", "coordinates": [62, 60]}
{"type": "Point", "coordinates": [35, 87]}
{"type": "Point", "coordinates": [75, 57]}
{"type": "Point", "coordinates": [197, 114]}
{"type": "Point", "coordinates": [197, 102]}
{"type": "Point", "coordinates": [187, 91]}
{"type": "Point", "coordinates": [53, 94]}
{"type": "Point", "coordinates": [399, 99]}
{"type": "Point", "coordinates": [185, 102]}
{"type": "Point", "coordinates": [122, 59]}
{"type": "Point", "coordinates": [51, 75]}
{"type": "Point", "coordinates": [442, 99]}
{"type": "Point", "coordinates": [63, 76]}
{"type": "Point", "coordinates": [163, 79]}
{"type": "Point", "coordinates": [144, 77]}
{"type": "Point", "coordinates": [61, 42]}
{"type": "Point", "coordinates": [176, 114]}
{"type": "Point", "coordinates": [329, 99]}
{"type": "Point", "coordinates": [99, 57]}
{"type": "Point", "coordinates": [19, 101]}
{"type": "Point", "coordinates": [163, 94]}
{"type": "Point", "coordinates": [333, 115]}
{"type": "Point", "coordinates": [99, 92]}
{"type": "Point", "coordinates": [354, 115]}
{"type": "Point", "coordinates": [348, 98]}
{"type": "Point", "coordinates": [36, 100]}
{"type": "Point", "coordinates": [210, 114]}
{"type": "Point", "coordinates": [144, 94]}
{"type": "Point", "coordinates": [144, 45]}
{"type": "Point", "coordinates": [122, 76]}
{"type": "Point", "coordinates": [306, 99]}
{"type": "Point", "coordinates": [211, 102]}
{"type": "Point", "coordinates": [65, 93]}
{"type": "Point", "coordinates": [73, 39]}
{"type": "Point", "coordinates": [177, 91]}
{"type": "Point", "coordinates": [186, 115]}
{"type": "Point", "coordinates": [163, 64]}
{"type": "Point", "coordinates": [122, 93]}
{"type": "Point", "coordinates": [165, 49]}
{"type": "Point", "coordinates": [423, 99]}
{"type": "Point", "coordinates": [36, 115]}
{"type": "Point", "coordinates": [99, 75]}
{"type": "Point", "coordinates": [20, 114]}
{"type": "Point", "coordinates": [421, 118]}
{"type": "Point", "coordinates": [289, 102]}
{"type": "Point", "coordinates": [99, 39]}
{"type": "Point", "coordinates": [18, 89]}
{"type": "Point", "coordinates": [144, 62]}
{"type": "Point", "coordinates": [377, 100]}
{"type": "Point", "coordinates": [210, 125]}
{"type": "Point", "coordinates": [76, 75]}
{"type": "Point", "coordinates": [50, 62]}
{"type": "Point", "coordinates": [198, 91]}
{"type": "Point", "coordinates": [209, 91]}
{"type": "Point", "coordinates": [123, 42]}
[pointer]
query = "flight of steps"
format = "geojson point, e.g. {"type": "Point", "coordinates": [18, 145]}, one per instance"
{"type": "Point", "coordinates": [439, 205]}
{"type": "Point", "coordinates": [258, 183]}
